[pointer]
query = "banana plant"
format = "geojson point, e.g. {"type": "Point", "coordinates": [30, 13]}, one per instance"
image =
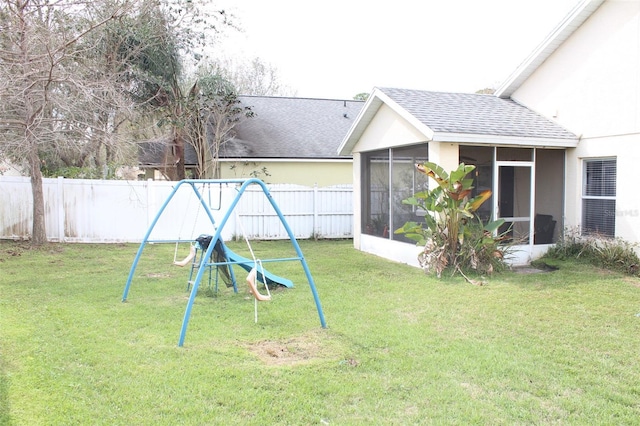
{"type": "Point", "coordinates": [450, 210]}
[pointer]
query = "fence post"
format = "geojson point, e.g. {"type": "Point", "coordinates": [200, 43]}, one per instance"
{"type": "Point", "coordinates": [150, 202]}
{"type": "Point", "coordinates": [61, 209]}
{"type": "Point", "coordinates": [316, 231]}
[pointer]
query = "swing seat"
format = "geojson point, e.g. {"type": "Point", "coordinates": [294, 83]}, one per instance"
{"type": "Point", "coordinates": [189, 258]}
{"type": "Point", "coordinates": [253, 288]}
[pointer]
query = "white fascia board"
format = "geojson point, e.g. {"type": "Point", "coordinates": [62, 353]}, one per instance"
{"type": "Point", "coordinates": [287, 160]}
{"type": "Point", "coordinates": [364, 117]}
{"type": "Point", "coordinates": [368, 111]}
{"type": "Point", "coordinates": [505, 140]}
{"type": "Point", "coordinates": [569, 24]}
{"type": "Point", "coordinates": [419, 125]}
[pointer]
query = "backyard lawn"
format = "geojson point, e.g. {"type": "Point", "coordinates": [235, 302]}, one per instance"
{"type": "Point", "coordinates": [559, 347]}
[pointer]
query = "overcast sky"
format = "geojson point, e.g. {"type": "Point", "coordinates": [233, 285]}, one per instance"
{"type": "Point", "coordinates": [338, 48]}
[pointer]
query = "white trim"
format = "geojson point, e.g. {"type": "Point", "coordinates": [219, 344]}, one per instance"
{"type": "Point", "coordinates": [402, 112]}
{"type": "Point", "coordinates": [525, 250]}
{"type": "Point", "coordinates": [571, 22]}
{"type": "Point", "coordinates": [515, 163]}
{"type": "Point", "coordinates": [492, 140]}
{"type": "Point", "coordinates": [286, 160]}
{"type": "Point", "coordinates": [516, 219]}
{"type": "Point", "coordinates": [532, 205]}
{"type": "Point", "coordinates": [598, 197]}
{"type": "Point", "coordinates": [362, 120]}
{"type": "Point", "coordinates": [369, 110]}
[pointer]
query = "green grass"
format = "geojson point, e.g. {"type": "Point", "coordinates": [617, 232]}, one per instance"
{"type": "Point", "coordinates": [400, 347]}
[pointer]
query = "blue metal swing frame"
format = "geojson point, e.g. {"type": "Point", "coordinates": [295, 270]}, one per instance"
{"type": "Point", "coordinates": [244, 183]}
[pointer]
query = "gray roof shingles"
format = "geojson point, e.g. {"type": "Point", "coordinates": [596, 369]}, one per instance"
{"type": "Point", "coordinates": [292, 128]}
{"type": "Point", "coordinates": [282, 127]}
{"type": "Point", "coordinates": [470, 113]}
{"type": "Point", "coordinates": [308, 128]}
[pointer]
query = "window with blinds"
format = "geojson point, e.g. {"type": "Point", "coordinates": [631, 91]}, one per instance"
{"type": "Point", "coordinates": [599, 197]}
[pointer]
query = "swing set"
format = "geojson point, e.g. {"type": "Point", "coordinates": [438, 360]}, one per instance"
{"type": "Point", "coordinates": [209, 251]}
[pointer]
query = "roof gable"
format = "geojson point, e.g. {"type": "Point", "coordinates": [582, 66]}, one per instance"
{"type": "Point", "coordinates": [574, 19]}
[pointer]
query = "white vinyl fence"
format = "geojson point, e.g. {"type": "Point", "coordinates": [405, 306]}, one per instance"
{"type": "Point", "coordinates": [101, 211]}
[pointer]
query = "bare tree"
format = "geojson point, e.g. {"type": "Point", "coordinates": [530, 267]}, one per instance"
{"type": "Point", "coordinates": [250, 76]}
{"type": "Point", "coordinates": [73, 72]}
{"type": "Point", "coordinates": [41, 70]}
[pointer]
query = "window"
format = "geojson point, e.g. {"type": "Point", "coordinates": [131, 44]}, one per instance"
{"type": "Point", "coordinates": [599, 197]}
{"type": "Point", "coordinates": [389, 176]}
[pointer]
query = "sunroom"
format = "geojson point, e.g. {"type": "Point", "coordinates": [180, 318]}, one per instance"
{"type": "Point", "coordinates": [518, 154]}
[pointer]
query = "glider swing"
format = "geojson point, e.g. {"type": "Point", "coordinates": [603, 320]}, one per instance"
{"type": "Point", "coordinates": [186, 260]}
{"type": "Point", "coordinates": [253, 275]}
{"type": "Point", "coordinates": [254, 267]}
{"type": "Point", "coordinates": [202, 242]}
{"type": "Point", "coordinates": [192, 245]}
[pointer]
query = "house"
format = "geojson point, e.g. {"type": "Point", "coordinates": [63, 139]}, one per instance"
{"type": "Point", "coordinates": [548, 143]}
{"type": "Point", "coordinates": [288, 140]}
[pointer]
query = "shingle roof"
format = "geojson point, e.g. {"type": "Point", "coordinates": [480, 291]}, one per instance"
{"type": "Point", "coordinates": [152, 152]}
{"type": "Point", "coordinates": [479, 114]}
{"type": "Point", "coordinates": [292, 128]}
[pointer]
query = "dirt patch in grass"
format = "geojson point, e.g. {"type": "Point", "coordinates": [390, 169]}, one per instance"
{"type": "Point", "coordinates": [291, 352]}
{"type": "Point", "coordinates": [12, 250]}
{"type": "Point", "coordinates": [294, 351]}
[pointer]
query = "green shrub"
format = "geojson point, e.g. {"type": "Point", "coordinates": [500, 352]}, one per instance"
{"type": "Point", "coordinates": [610, 253]}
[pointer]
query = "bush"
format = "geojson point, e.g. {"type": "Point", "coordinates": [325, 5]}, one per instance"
{"type": "Point", "coordinates": [481, 251]}
{"type": "Point", "coordinates": [611, 253]}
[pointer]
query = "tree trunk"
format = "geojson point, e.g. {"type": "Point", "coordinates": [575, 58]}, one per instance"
{"type": "Point", "coordinates": [178, 142]}
{"type": "Point", "coordinates": [38, 231]}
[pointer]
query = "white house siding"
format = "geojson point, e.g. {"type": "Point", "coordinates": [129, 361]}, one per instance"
{"type": "Point", "coordinates": [591, 83]}
{"type": "Point", "coordinates": [393, 250]}
{"type": "Point", "coordinates": [388, 130]}
{"type": "Point", "coordinates": [290, 171]}
{"type": "Point", "coordinates": [591, 86]}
